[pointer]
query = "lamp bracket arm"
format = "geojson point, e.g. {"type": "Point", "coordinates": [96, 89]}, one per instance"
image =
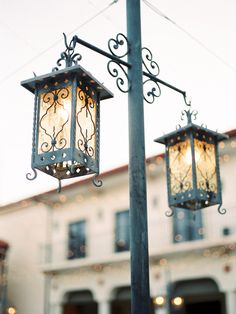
{"type": "Point", "coordinates": [77, 40]}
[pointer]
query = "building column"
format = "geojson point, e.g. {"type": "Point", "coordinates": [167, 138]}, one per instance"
{"type": "Point", "coordinates": [230, 298]}
{"type": "Point", "coordinates": [104, 307]}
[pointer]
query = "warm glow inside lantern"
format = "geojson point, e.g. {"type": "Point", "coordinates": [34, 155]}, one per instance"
{"type": "Point", "coordinates": [66, 122]}
{"type": "Point", "coordinates": [192, 165]}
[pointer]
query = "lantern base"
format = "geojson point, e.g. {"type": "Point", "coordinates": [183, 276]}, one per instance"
{"type": "Point", "coordinates": [190, 201]}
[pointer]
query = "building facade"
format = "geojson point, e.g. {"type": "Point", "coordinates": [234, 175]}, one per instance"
{"type": "Point", "coordinates": [69, 252]}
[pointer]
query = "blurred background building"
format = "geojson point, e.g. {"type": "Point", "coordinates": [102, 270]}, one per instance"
{"type": "Point", "coordinates": [69, 252]}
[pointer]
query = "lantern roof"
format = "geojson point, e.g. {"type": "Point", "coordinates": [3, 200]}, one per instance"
{"type": "Point", "coordinates": [187, 129]}
{"type": "Point", "coordinates": [67, 73]}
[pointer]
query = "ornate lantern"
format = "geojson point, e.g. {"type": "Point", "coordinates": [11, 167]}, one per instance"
{"type": "Point", "coordinates": [66, 119]}
{"type": "Point", "coordinates": [192, 166]}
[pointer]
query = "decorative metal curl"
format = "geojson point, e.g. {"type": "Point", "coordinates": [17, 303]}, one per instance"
{"type": "Point", "coordinates": [150, 65]}
{"type": "Point", "coordinates": [123, 83]}
{"type": "Point", "coordinates": [221, 210]}
{"type": "Point", "coordinates": [114, 46]}
{"type": "Point", "coordinates": [68, 56]}
{"type": "Point", "coordinates": [31, 176]}
{"type": "Point", "coordinates": [152, 91]}
{"type": "Point", "coordinates": [169, 212]}
{"type": "Point", "coordinates": [203, 125]}
{"type": "Point", "coordinates": [97, 182]}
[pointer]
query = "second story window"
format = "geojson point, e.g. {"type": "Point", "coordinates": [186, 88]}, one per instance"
{"type": "Point", "coordinates": [187, 226]}
{"type": "Point", "coordinates": [122, 241]}
{"type": "Point", "coordinates": [77, 240]}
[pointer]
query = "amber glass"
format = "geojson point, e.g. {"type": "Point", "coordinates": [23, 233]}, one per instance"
{"type": "Point", "coordinates": [54, 120]}
{"type": "Point", "coordinates": [180, 166]}
{"type": "Point", "coordinates": [86, 123]}
{"type": "Point", "coordinates": [205, 166]}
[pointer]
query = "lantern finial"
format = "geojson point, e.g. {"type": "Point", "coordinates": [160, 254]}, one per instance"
{"type": "Point", "coordinates": [68, 55]}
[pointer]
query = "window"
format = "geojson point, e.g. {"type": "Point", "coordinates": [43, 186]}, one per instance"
{"type": "Point", "coordinates": [187, 226]}
{"type": "Point", "coordinates": [122, 241]}
{"type": "Point", "coordinates": [77, 240]}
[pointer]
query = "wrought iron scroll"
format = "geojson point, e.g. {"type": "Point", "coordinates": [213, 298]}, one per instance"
{"type": "Point", "coordinates": [151, 88]}
{"type": "Point", "coordinates": [31, 176]}
{"type": "Point", "coordinates": [119, 47]}
{"type": "Point", "coordinates": [54, 100]}
{"type": "Point", "coordinates": [97, 182]}
{"type": "Point", "coordinates": [221, 210]}
{"type": "Point", "coordinates": [170, 212]}
{"type": "Point", "coordinates": [68, 56]}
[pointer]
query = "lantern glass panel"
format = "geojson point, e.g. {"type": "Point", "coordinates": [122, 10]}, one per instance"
{"type": "Point", "coordinates": [180, 165]}
{"type": "Point", "coordinates": [54, 120]}
{"type": "Point", "coordinates": [86, 108]}
{"type": "Point", "coordinates": [205, 166]}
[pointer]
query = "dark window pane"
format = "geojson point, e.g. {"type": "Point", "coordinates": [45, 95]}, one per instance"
{"type": "Point", "coordinates": [122, 241]}
{"type": "Point", "coordinates": [77, 240]}
{"type": "Point", "coordinates": [187, 226]}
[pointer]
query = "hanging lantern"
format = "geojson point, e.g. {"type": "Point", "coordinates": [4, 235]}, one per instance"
{"type": "Point", "coordinates": [192, 166]}
{"type": "Point", "coordinates": [66, 120]}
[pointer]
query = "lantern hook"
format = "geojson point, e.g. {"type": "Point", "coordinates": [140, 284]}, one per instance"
{"type": "Point", "coordinates": [97, 182]}
{"type": "Point", "coordinates": [31, 176]}
{"type": "Point", "coordinates": [187, 101]}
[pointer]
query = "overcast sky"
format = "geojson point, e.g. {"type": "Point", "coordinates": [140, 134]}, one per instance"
{"type": "Point", "coordinates": [196, 53]}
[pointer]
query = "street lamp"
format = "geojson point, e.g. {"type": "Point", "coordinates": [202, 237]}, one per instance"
{"type": "Point", "coordinates": [66, 120]}
{"type": "Point", "coordinates": [139, 63]}
{"type": "Point", "coordinates": [192, 166]}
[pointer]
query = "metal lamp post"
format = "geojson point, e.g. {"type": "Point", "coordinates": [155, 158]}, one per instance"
{"type": "Point", "coordinates": [61, 150]}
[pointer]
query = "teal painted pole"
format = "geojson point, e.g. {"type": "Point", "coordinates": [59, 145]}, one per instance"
{"type": "Point", "coordinates": [140, 295]}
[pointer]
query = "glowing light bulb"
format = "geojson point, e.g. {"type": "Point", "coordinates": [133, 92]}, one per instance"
{"type": "Point", "coordinates": [178, 301]}
{"type": "Point", "coordinates": [188, 156]}
{"type": "Point", "coordinates": [11, 310]}
{"type": "Point", "coordinates": [160, 300]}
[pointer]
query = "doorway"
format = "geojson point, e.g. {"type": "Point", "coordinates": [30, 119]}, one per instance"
{"type": "Point", "coordinates": [80, 302]}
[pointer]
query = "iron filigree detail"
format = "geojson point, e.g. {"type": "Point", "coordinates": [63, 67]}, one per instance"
{"type": "Point", "coordinates": [151, 88]}
{"type": "Point", "coordinates": [150, 65]}
{"type": "Point", "coordinates": [119, 48]}
{"type": "Point", "coordinates": [87, 132]}
{"type": "Point", "coordinates": [68, 56]}
{"type": "Point", "coordinates": [54, 105]}
{"type": "Point", "coordinates": [116, 70]}
{"type": "Point", "coordinates": [189, 114]}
